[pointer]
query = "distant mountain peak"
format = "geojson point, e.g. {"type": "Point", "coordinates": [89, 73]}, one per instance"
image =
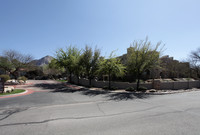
{"type": "Point", "coordinates": [47, 56]}
{"type": "Point", "coordinates": [43, 61]}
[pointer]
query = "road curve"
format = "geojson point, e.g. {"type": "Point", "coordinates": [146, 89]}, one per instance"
{"type": "Point", "coordinates": [57, 109]}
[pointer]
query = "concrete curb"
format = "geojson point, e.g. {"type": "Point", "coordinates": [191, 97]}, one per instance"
{"type": "Point", "coordinates": [26, 92]}
{"type": "Point", "coordinates": [16, 93]}
{"type": "Point", "coordinates": [124, 91]}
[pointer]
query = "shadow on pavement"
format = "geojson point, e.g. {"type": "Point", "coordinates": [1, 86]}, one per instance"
{"type": "Point", "coordinates": [118, 96]}
{"type": "Point", "coordinates": [50, 86]}
{"type": "Point", "coordinates": [127, 96]}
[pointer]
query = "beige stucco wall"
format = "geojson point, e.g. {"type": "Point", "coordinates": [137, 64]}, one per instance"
{"type": "Point", "coordinates": [124, 85]}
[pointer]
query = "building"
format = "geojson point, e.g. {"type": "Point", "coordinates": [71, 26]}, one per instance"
{"type": "Point", "coordinates": [169, 68]}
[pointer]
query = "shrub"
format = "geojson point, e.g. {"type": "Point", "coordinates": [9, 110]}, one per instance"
{"type": "Point", "coordinates": [88, 86]}
{"type": "Point", "coordinates": [188, 79]}
{"type": "Point", "coordinates": [113, 88]}
{"type": "Point", "coordinates": [22, 78]}
{"type": "Point", "coordinates": [130, 89]}
{"type": "Point", "coordinates": [142, 89]}
{"type": "Point", "coordinates": [4, 78]}
{"type": "Point", "coordinates": [105, 87]}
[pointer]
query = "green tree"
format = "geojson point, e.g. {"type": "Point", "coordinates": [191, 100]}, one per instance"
{"type": "Point", "coordinates": [13, 61]}
{"type": "Point", "coordinates": [78, 67]}
{"type": "Point", "coordinates": [142, 56]}
{"type": "Point", "coordinates": [67, 59]}
{"type": "Point", "coordinates": [5, 64]}
{"type": "Point", "coordinates": [53, 70]}
{"type": "Point", "coordinates": [90, 62]}
{"type": "Point", "coordinates": [4, 78]}
{"type": "Point", "coordinates": [36, 73]}
{"type": "Point", "coordinates": [111, 67]}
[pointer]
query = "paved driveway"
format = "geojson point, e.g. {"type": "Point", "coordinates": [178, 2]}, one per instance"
{"type": "Point", "coordinates": [55, 109]}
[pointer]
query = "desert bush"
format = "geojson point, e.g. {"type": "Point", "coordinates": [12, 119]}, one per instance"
{"type": "Point", "coordinates": [22, 78]}
{"type": "Point", "coordinates": [130, 89]}
{"type": "Point", "coordinates": [113, 88]}
{"type": "Point", "coordinates": [105, 87]}
{"type": "Point", "coordinates": [142, 89]}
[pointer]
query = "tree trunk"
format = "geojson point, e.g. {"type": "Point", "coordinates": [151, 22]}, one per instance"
{"type": "Point", "coordinates": [14, 74]}
{"type": "Point", "coordinates": [138, 82]}
{"type": "Point", "coordinates": [90, 81]}
{"type": "Point", "coordinates": [3, 86]}
{"type": "Point", "coordinates": [70, 77]}
{"type": "Point", "coordinates": [77, 79]}
{"type": "Point", "coordinates": [109, 81]}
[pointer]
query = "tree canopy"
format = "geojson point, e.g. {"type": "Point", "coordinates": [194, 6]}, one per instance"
{"type": "Point", "coordinates": [111, 67]}
{"type": "Point", "coordinates": [13, 61]}
{"type": "Point", "coordinates": [68, 59]}
{"type": "Point", "coordinates": [142, 56]}
{"type": "Point", "coordinates": [194, 60]}
{"type": "Point", "coordinates": [90, 61]}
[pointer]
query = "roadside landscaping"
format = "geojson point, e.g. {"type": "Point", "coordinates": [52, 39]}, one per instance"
{"type": "Point", "coordinates": [142, 90]}
{"type": "Point", "coordinates": [16, 91]}
{"type": "Point", "coordinates": [61, 80]}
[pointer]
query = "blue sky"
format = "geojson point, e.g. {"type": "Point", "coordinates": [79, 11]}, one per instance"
{"type": "Point", "coordinates": [40, 27]}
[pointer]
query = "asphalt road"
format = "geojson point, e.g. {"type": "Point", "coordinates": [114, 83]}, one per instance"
{"type": "Point", "coordinates": [55, 109]}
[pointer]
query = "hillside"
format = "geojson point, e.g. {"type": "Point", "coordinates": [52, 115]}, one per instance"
{"type": "Point", "coordinates": [43, 61]}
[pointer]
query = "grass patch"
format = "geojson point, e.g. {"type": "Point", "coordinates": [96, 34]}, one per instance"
{"type": "Point", "coordinates": [15, 91]}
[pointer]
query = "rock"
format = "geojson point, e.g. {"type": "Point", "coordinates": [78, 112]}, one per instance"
{"type": "Point", "coordinates": [21, 81]}
{"type": "Point", "coordinates": [152, 90]}
{"type": "Point", "coordinates": [8, 89]}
